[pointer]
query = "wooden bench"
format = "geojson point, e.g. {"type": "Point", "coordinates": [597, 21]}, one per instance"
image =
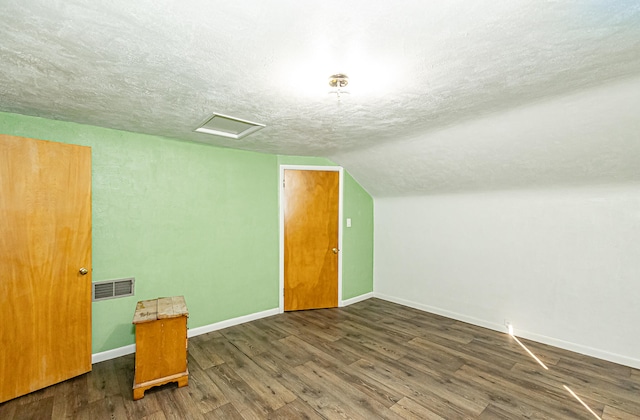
{"type": "Point", "coordinates": [161, 344]}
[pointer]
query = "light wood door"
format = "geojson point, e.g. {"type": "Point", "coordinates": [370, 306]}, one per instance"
{"type": "Point", "coordinates": [311, 220]}
{"type": "Point", "coordinates": [45, 239]}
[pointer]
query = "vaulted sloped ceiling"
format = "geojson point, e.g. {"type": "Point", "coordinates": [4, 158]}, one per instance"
{"type": "Point", "coordinates": [443, 96]}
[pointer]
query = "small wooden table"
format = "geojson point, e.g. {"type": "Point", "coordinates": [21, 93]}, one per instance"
{"type": "Point", "coordinates": [161, 344]}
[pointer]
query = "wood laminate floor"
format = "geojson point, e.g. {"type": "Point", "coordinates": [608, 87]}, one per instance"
{"type": "Point", "coordinates": [371, 360]}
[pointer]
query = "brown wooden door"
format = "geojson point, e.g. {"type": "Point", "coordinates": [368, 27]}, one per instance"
{"type": "Point", "coordinates": [311, 219]}
{"type": "Point", "coordinates": [45, 239]}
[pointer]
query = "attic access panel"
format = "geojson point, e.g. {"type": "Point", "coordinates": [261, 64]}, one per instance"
{"type": "Point", "coordinates": [225, 126]}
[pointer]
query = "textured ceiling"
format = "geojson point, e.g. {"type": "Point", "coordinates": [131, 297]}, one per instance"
{"type": "Point", "coordinates": [425, 79]}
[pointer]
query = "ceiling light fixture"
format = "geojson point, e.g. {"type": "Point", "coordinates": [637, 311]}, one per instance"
{"type": "Point", "coordinates": [338, 82]}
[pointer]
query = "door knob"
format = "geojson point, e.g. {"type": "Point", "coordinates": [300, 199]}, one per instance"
{"type": "Point", "coordinates": [83, 271]}
{"type": "Point", "coordinates": [335, 250]}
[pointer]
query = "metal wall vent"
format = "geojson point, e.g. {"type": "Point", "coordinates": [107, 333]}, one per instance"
{"type": "Point", "coordinates": [225, 126]}
{"type": "Point", "coordinates": [110, 289]}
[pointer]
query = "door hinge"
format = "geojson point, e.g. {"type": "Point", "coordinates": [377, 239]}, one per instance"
{"type": "Point", "coordinates": [283, 183]}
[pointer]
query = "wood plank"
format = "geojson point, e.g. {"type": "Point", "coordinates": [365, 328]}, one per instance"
{"type": "Point", "coordinates": [305, 323]}
{"type": "Point", "coordinates": [373, 389]}
{"type": "Point", "coordinates": [339, 350]}
{"type": "Point", "coordinates": [493, 412]}
{"type": "Point", "coordinates": [295, 410]}
{"type": "Point", "coordinates": [110, 407]}
{"type": "Point", "coordinates": [611, 413]}
{"type": "Point", "coordinates": [355, 403]}
{"type": "Point", "coordinates": [234, 351]}
{"type": "Point", "coordinates": [239, 339]}
{"type": "Point", "coordinates": [387, 335]}
{"type": "Point", "coordinates": [103, 383]}
{"type": "Point", "coordinates": [41, 409]}
{"type": "Point", "coordinates": [315, 352]}
{"type": "Point", "coordinates": [172, 307]}
{"type": "Point", "coordinates": [239, 393]}
{"type": "Point", "coordinates": [202, 352]}
{"type": "Point", "coordinates": [305, 391]}
{"type": "Point", "coordinates": [435, 403]}
{"type": "Point", "coordinates": [202, 355]}
{"type": "Point", "coordinates": [264, 329]}
{"type": "Point", "coordinates": [515, 395]}
{"type": "Point", "coordinates": [226, 412]}
{"type": "Point", "coordinates": [272, 363]}
{"type": "Point", "coordinates": [265, 385]}
{"type": "Point", "coordinates": [360, 312]}
{"type": "Point", "coordinates": [460, 352]}
{"type": "Point", "coordinates": [622, 394]}
{"type": "Point", "coordinates": [411, 410]}
{"type": "Point", "coordinates": [285, 323]}
{"type": "Point", "coordinates": [174, 407]}
{"type": "Point", "coordinates": [434, 360]}
{"type": "Point", "coordinates": [8, 410]}
{"type": "Point", "coordinates": [160, 308]}
{"type": "Point", "coordinates": [575, 360]}
{"type": "Point", "coordinates": [387, 348]}
{"type": "Point", "coordinates": [158, 415]}
{"type": "Point", "coordinates": [72, 399]}
{"type": "Point", "coordinates": [321, 400]}
{"type": "Point", "coordinates": [399, 311]}
{"type": "Point", "coordinates": [146, 311]}
{"type": "Point", "coordinates": [205, 394]}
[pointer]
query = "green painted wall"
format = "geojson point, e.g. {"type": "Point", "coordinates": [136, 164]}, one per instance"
{"type": "Point", "coordinates": [188, 219]}
{"type": "Point", "coordinates": [357, 241]}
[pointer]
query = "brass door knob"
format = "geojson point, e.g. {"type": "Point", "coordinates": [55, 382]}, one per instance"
{"type": "Point", "coordinates": [335, 250]}
{"type": "Point", "coordinates": [83, 271]}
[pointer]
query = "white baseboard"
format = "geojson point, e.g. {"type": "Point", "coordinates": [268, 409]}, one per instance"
{"type": "Point", "coordinates": [566, 345]}
{"type": "Point", "coordinates": [578, 348]}
{"type": "Point", "coordinates": [231, 322]}
{"type": "Point", "coordinates": [112, 354]}
{"type": "Point", "coordinates": [442, 312]}
{"type": "Point", "coordinates": [192, 332]}
{"type": "Point", "coordinates": [356, 299]}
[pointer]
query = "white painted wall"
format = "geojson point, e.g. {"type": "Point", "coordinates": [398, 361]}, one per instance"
{"type": "Point", "coordinates": [563, 265]}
